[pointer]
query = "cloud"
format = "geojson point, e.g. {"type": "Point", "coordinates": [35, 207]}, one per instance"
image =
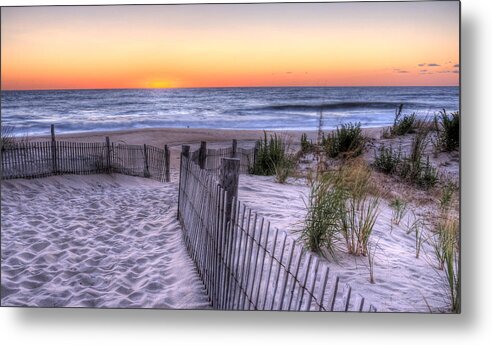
{"type": "Point", "coordinates": [397, 70]}
{"type": "Point", "coordinates": [457, 65]}
{"type": "Point", "coordinates": [423, 70]}
{"type": "Point", "coordinates": [429, 64]}
{"type": "Point", "coordinates": [449, 71]}
{"type": "Point", "coordinates": [288, 72]}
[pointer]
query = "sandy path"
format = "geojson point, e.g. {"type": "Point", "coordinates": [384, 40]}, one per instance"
{"type": "Point", "coordinates": [95, 241]}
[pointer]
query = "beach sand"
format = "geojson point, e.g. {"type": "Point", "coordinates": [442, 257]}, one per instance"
{"type": "Point", "coordinates": [113, 241]}
{"type": "Point", "coordinates": [106, 241]}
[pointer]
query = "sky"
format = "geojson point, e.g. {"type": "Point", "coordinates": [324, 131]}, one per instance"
{"type": "Point", "coordinates": [168, 46]}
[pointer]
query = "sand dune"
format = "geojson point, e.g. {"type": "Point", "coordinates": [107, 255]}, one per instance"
{"type": "Point", "coordinates": [95, 241]}
{"type": "Point", "coordinates": [403, 282]}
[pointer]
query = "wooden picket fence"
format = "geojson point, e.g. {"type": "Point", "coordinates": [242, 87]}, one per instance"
{"type": "Point", "coordinates": [211, 159]}
{"type": "Point", "coordinates": [244, 263]}
{"type": "Point", "coordinates": [40, 159]}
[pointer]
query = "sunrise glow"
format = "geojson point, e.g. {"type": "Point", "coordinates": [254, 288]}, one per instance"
{"type": "Point", "coordinates": [160, 84]}
{"type": "Point", "coordinates": [352, 44]}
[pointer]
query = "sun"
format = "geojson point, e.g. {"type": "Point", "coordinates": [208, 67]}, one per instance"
{"type": "Point", "coordinates": [161, 84]}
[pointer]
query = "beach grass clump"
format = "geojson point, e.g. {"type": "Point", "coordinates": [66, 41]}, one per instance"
{"type": "Point", "coordinates": [307, 146]}
{"type": "Point", "coordinates": [452, 270]}
{"type": "Point", "coordinates": [447, 251]}
{"type": "Point", "coordinates": [343, 206]}
{"type": "Point", "coordinates": [417, 227]}
{"type": "Point", "coordinates": [429, 176]}
{"type": "Point", "coordinates": [399, 207]}
{"type": "Point", "coordinates": [325, 208]}
{"type": "Point", "coordinates": [346, 142]}
{"type": "Point", "coordinates": [371, 257]}
{"type": "Point", "coordinates": [387, 159]}
{"type": "Point", "coordinates": [421, 173]}
{"type": "Point", "coordinates": [284, 168]}
{"type": "Point", "coordinates": [419, 144]}
{"type": "Point", "coordinates": [447, 193]}
{"type": "Point", "coordinates": [270, 153]}
{"type": "Point", "coordinates": [448, 131]}
{"type": "Point", "coordinates": [414, 167]}
{"type": "Point", "coordinates": [446, 245]}
{"type": "Point", "coordinates": [358, 224]}
{"type": "Point", "coordinates": [402, 124]}
{"type": "Point", "coordinates": [361, 206]}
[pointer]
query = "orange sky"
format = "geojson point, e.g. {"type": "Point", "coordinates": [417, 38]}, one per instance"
{"type": "Point", "coordinates": [351, 44]}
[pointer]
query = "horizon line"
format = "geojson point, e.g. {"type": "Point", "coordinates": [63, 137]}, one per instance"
{"type": "Point", "coordinates": [225, 87]}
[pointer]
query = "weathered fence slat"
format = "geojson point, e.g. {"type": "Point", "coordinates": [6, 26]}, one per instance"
{"type": "Point", "coordinates": [53, 150]}
{"type": "Point", "coordinates": [167, 158]}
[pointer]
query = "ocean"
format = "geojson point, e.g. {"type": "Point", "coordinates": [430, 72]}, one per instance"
{"type": "Point", "coordinates": [280, 108]}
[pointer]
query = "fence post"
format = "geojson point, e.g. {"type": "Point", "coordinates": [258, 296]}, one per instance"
{"type": "Point", "coordinates": [185, 152]}
{"type": "Point", "coordinates": [255, 155]}
{"type": "Point", "coordinates": [53, 151]}
{"type": "Point", "coordinates": [234, 148]}
{"type": "Point", "coordinates": [146, 162]}
{"type": "Point", "coordinates": [108, 156]}
{"type": "Point", "coordinates": [229, 181]}
{"type": "Point", "coordinates": [167, 157]}
{"type": "Point", "coordinates": [202, 154]}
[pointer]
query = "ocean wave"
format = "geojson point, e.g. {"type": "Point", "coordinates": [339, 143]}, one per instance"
{"type": "Point", "coordinates": [335, 106]}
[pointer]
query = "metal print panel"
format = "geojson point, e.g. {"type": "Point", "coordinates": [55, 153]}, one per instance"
{"type": "Point", "coordinates": [263, 157]}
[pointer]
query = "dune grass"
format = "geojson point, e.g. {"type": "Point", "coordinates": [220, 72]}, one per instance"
{"type": "Point", "coordinates": [387, 159]}
{"type": "Point", "coordinates": [402, 124]}
{"type": "Point", "coordinates": [307, 146]}
{"type": "Point", "coordinates": [399, 208]}
{"type": "Point", "coordinates": [284, 168]}
{"type": "Point", "coordinates": [414, 167]}
{"type": "Point", "coordinates": [325, 208]}
{"type": "Point", "coordinates": [448, 131]}
{"type": "Point", "coordinates": [417, 227]}
{"type": "Point", "coordinates": [346, 142]}
{"type": "Point", "coordinates": [447, 251]}
{"type": "Point", "coordinates": [361, 205]}
{"type": "Point", "coordinates": [358, 223]}
{"type": "Point", "coordinates": [270, 152]}
{"type": "Point", "coordinates": [343, 206]}
{"type": "Point", "coordinates": [447, 194]}
{"type": "Point", "coordinates": [453, 273]}
{"type": "Point", "coordinates": [372, 249]}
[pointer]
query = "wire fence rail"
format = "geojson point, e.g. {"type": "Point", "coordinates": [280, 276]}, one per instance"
{"type": "Point", "coordinates": [244, 263]}
{"type": "Point", "coordinates": [41, 159]}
